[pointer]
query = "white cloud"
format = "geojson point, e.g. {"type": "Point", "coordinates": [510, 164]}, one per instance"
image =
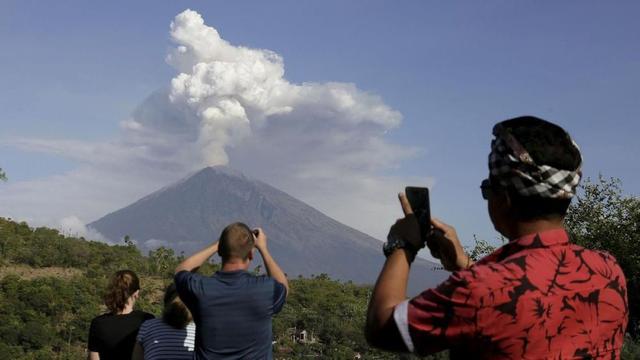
{"type": "Point", "coordinates": [231, 105]}
{"type": "Point", "coordinates": [73, 226]}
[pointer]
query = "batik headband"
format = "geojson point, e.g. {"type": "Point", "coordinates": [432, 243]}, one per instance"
{"type": "Point", "coordinates": [514, 168]}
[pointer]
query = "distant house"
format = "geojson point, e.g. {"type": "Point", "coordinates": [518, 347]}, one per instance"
{"type": "Point", "coordinates": [302, 336]}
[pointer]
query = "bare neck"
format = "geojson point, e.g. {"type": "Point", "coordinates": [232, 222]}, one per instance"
{"type": "Point", "coordinates": [128, 308]}
{"type": "Point", "coordinates": [235, 265]}
{"type": "Point", "coordinates": [522, 228]}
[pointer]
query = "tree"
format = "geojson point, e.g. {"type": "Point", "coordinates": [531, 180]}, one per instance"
{"type": "Point", "coordinates": [601, 218]}
{"type": "Point", "coordinates": [128, 242]}
{"type": "Point", "coordinates": [481, 249]}
{"type": "Point", "coordinates": [162, 261]}
{"type": "Point", "coordinates": [3, 175]}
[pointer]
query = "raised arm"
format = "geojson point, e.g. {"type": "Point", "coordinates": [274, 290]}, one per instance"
{"type": "Point", "coordinates": [391, 287]}
{"type": "Point", "coordinates": [390, 290]}
{"type": "Point", "coordinates": [196, 260]}
{"type": "Point", "coordinates": [270, 264]}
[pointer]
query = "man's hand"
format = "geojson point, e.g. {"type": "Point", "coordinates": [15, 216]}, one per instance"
{"type": "Point", "coordinates": [445, 246]}
{"type": "Point", "coordinates": [260, 239]}
{"type": "Point", "coordinates": [270, 264]}
{"type": "Point", "coordinates": [407, 228]}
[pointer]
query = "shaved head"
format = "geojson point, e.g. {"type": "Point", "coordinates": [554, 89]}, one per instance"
{"type": "Point", "coordinates": [236, 242]}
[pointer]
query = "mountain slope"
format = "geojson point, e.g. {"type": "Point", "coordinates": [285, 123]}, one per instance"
{"type": "Point", "coordinates": [191, 213]}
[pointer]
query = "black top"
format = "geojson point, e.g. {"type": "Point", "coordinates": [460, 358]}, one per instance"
{"type": "Point", "coordinates": [232, 311]}
{"type": "Point", "coordinates": [113, 336]}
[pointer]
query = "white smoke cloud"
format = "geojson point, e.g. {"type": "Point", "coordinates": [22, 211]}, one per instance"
{"type": "Point", "coordinates": [73, 226]}
{"type": "Point", "coordinates": [231, 105]}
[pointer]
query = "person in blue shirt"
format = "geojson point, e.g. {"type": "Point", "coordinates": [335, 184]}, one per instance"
{"type": "Point", "coordinates": [233, 308]}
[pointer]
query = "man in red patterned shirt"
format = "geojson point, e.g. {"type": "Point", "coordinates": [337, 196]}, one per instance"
{"type": "Point", "coordinates": [537, 297]}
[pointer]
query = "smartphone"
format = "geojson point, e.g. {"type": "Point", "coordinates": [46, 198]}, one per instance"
{"type": "Point", "coordinates": [419, 199]}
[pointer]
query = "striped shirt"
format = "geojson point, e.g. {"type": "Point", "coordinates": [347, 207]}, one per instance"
{"type": "Point", "coordinates": [162, 341]}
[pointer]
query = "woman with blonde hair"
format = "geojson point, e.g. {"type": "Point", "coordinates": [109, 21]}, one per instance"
{"type": "Point", "coordinates": [170, 338]}
{"type": "Point", "coordinates": [112, 335]}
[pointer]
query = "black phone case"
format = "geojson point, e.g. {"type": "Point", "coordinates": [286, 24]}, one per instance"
{"type": "Point", "coordinates": [419, 199]}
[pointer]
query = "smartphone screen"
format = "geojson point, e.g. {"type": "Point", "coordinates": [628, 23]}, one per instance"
{"type": "Point", "coordinates": [419, 199]}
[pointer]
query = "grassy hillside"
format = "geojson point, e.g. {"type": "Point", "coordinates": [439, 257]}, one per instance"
{"type": "Point", "coordinates": [51, 287]}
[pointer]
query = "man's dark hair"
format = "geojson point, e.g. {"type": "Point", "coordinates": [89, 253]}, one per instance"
{"type": "Point", "coordinates": [236, 241]}
{"type": "Point", "coordinates": [548, 144]}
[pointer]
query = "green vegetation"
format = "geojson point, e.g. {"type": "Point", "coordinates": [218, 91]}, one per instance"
{"type": "Point", "coordinates": [51, 286]}
{"type": "Point", "coordinates": [333, 314]}
{"type": "Point", "coordinates": [45, 311]}
{"type": "Point", "coordinates": [481, 249]}
{"type": "Point", "coordinates": [3, 176]}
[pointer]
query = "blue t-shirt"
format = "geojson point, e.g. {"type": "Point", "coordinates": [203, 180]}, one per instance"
{"type": "Point", "coordinates": [232, 311]}
{"type": "Point", "coordinates": [162, 341]}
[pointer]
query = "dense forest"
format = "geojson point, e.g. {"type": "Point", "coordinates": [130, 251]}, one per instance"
{"type": "Point", "coordinates": [51, 286]}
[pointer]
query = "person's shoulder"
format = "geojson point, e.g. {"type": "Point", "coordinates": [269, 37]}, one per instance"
{"type": "Point", "coordinates": [143, 315]}
{"type": "Point", "coordinates": [265, 280]}
{"type": "Point", "coordinates": [462, 280]}
{"type": "Point", "coordinates": [148, 316]}
{"type": "Point", "coordinates": [188, 283]}
{"type": "Point", "coordinates": [185, 276]}
{"type": "Point", "coordinates": [483, 278]}
{"type": "Point", "coordinates": [102, 318]}
{"type": "Point", "coordinates": [146, 324]}
{"type": "Point", "coordinates": [261, 278]}
{"type": "Point", "coordinates": [459, 288]}
{"type": "Point", "coordinates": [151, 323]}
{"type": "Point", "coordinates": [102, 321]}
{"type": "Point", "coordinates": [582, 251]}
{"type": "Point", "coordinates": [596, 258]}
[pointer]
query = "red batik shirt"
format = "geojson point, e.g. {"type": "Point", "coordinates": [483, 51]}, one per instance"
{"type": "Point", "coordinates": [537, 297]}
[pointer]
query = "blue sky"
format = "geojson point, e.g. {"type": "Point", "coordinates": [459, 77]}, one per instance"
{"type": "Point", "coordinates": [75, 70]}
